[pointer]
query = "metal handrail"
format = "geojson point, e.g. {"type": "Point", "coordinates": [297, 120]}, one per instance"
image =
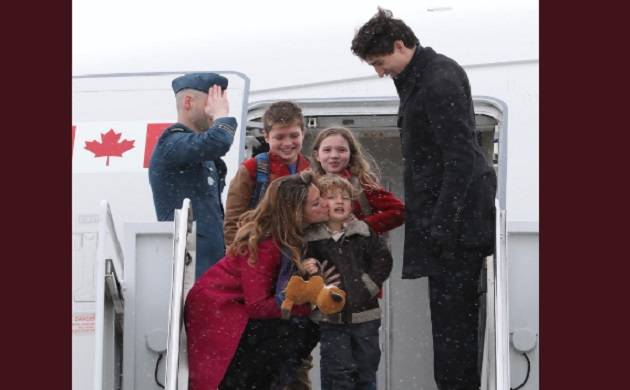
{"type": "Point", "coordinates": [114, 289]}
{"type": "Point", "coordinates": [106, 228]}
{"type": "Point", "coordinates": [502, 332]}
{"type": "Point", "coordinates": [183, 226]}
{"type": "Point", "coordinates": [489, 359]}
{"type": "Point", "coordinates": [496, 365]}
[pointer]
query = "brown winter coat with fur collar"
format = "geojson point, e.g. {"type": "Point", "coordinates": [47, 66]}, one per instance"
{"type": "Point", "coordinates": [363, 261]}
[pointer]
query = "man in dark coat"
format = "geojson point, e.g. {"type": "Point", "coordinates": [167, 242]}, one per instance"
{"type": "Point", "coordinates": [186, 161]}
{"type": "Point", "coordinates": [449, 189]}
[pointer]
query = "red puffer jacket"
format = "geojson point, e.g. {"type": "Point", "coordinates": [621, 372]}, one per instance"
{"type": "Point", "coordinates": [388, 212]}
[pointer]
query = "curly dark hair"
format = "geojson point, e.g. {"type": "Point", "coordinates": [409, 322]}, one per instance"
{"type": "Point", "coordinates": [377, 36]}
{"type": "Point", "coordinates": [283, 112]}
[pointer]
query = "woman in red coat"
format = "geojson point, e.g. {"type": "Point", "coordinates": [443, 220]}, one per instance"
{"type": "Point", "coordinates": [236, 339]}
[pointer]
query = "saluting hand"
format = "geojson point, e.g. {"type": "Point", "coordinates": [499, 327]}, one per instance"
{"type": "Point", "coordinates": [217, 105]}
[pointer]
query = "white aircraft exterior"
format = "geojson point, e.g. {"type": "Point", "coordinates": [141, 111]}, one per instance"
{"type": "Point", "coordinates": [124, 57]}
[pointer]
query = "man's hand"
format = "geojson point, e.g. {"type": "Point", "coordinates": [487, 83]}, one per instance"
{"type": "Point", "coordinates": [330, 277]}
{"type": "Point", "coordinates": [217, 105]}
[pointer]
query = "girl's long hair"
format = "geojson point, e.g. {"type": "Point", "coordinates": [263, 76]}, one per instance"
{"type": "Point", "coordinates": [361, 164]}
{"type": "Point", "coordinates": [280, 215]}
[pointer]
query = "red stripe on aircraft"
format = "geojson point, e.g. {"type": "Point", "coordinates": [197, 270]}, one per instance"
{"type": "Point", "coordinates": [154, 130]}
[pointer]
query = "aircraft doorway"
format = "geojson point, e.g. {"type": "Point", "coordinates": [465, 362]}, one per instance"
{"type": "Point", "coordinates": [405, 336]}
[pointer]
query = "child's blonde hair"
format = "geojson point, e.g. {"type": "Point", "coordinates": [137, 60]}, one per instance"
{"type": "Point", "coordinates": [331, 182]}
{"type": "Point", "coordinates": [360, 164]}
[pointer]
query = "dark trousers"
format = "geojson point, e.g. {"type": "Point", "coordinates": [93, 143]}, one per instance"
{"type": "Point", "coordinates": [301, 380]}
{"type": "Point", "coordinates": [294, 372]}
{"type": "Point", "coordinates": [350, 355]}
{"type": "Point", "coordinates": [267, 351]}
{"type": "Point", "coordinates": [454, 298]}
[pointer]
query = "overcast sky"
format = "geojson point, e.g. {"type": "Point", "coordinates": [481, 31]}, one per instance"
{"type": "Point", "coordinates": [114, 36]}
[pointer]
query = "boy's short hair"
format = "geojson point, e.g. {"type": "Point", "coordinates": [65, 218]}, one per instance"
{"type": "Point", "coordinates": [284, 113]}
{"type": "Point", "coordinates": [376, 37]}
{"type": "Point", "coordinates": [330, 182]}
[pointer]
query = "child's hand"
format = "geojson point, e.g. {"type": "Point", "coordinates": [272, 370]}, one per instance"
{"type": "Point", "coordinates": [330, 277]}
{"type": "Point", "coordinates": [311, 266]}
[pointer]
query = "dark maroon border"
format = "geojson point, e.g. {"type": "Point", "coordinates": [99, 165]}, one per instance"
{"type": "Point", "coordinates": [583, 158]}
{"type": "Point", "coordinates": [584, 146]}
{"type": "Point", "coordinates": [36, 162]}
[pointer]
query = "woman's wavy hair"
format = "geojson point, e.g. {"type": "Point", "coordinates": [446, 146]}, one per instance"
{"type": "Point", "coordinates": [280, 215]}
{"type": "Point", "coordinates": [361, 164]}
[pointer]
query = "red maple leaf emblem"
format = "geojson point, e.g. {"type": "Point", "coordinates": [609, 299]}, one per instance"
{"type": "Point", "coordinates": [110, 145]}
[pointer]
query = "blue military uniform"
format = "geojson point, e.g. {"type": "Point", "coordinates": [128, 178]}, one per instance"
{"type": "Point", "coordinates": [187, 164]}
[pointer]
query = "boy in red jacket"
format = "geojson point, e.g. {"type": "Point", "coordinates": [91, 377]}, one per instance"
{"type": "Point", "coordinates": [284, 132]}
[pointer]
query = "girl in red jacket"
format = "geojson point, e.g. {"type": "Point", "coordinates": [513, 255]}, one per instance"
{"type": "Point", "coordinates": [336, 151]}
{"type": "Point", "coordinates": [236, 339]}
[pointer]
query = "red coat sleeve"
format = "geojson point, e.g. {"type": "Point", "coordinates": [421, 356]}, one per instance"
{"type": "Point", "coordinates": [258, 283]}
{"type": "Point", "coordinates": [388, 212]}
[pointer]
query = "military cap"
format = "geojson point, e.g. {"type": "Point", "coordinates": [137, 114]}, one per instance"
{"type": "Point", "coordinates": [201, 81]}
